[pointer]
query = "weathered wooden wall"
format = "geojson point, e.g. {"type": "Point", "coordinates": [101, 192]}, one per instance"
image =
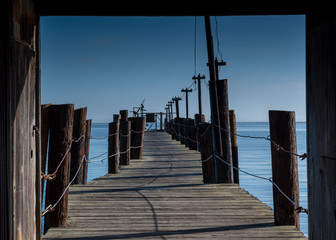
{"type": "Point", "coordinates": [17, 115]}
{"type": "Point", "coordinates": [321, 126]}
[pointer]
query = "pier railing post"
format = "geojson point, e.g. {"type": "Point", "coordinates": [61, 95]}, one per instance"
{"type": "Point", "coordinates": [125, 138]}
{"type": "Point", "coordinates": [113, 146]}
{"type": "Point", "coordinates": [181, 127]}
{"type": "Point", "coordinates": [78, 147]}
{"type": "Point", "coordinates": [192, 131]}
{"type": "Point", "coordinates": [207, 157]}
{"type": "Point", "coordinates": [234, 146]}
{"type": "Point", "coordinates": [197, 122]}
{"type": "Point", "coordinates": [61, 129]}
{"type": "Point", "coordinates": [86, 150]}
{"type": "Point", "coordinates": [224, 171]}
{"type": "Point", "coordinates": [186, 132]}
{"type": "Point", "coordinates": [137, 136]}
{"type": "Point", "coordinates": [284, 167]}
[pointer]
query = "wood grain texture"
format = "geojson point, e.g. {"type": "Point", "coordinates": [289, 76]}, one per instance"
{"type": "Point", "coordinates": [284, 167]}
{"type": "Point", "coordinates": [321, 130]}
{"type": "Point", "coordinates": [163, 197]}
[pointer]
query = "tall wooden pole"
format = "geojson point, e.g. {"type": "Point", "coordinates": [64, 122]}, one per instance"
{"type": "Point", "coordinates": [187, 106]}
{"type": "Point", "coordinates": [284, 167]}
{"type": "Point", "coordinates": [171, 110]}
{"type": "Point", "coordinates": [217, 141]}
{"type": "Point", "coordinates": [176, 100]}
{"type": "Point", "coordinates": [198, 79]}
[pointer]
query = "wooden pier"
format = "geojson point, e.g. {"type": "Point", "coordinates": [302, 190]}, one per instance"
{"type": "Point", "coordinates": [162, 196]}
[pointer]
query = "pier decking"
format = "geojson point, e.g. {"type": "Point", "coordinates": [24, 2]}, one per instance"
{"type": "Point", "coordinates": [161, 196]}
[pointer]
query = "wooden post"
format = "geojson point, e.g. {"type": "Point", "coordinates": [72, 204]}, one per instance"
{"type": "Point", "coordinates": [215, 120]}
{"type": "Point", "coordinates": [78, 147]}
{"type": "Point", "coordinates": [113, 146]}
{"type": "Point", "coordinates": [45, 125]}
{"type": "Point", "coordinates": [61, 129]}
{"type": "Point", "coordinates": [161, 121]}
{"type": "Point", "coordinates": [174, 131]}
{"type": "Point", "coordinates": [186, 132]}
{"type": "Point", "coordinates": [181, 127]}
{"type": "Point", "coordinates": [206, 153]}
{"type": "Point", "coordinates": [234, 146]}
{"type": "Point", "coordinates": [123, 115]}
{"type": "Point", "coordinates": [224, 171]}
{"type": "Point", "coordinates": [86, 150]}
{"type": "Point", "coordinates": [197, 122]}
{"type": "Point", "coordinates": [125, 142]}
{"type": "Point", "coordinates": [137, 136]}
{"type": "Point", "coordinates": [321, 127]}
{"type": "Point", "coordinates": [192, 134]}
{"type": "Point", "coordinates": [284, 167]}
{"type": "Point", "coordinates": [199, 78]}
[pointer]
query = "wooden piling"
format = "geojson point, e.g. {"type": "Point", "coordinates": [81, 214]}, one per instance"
{"type": "Point", "coordinates": [123, 115]}
{"type": "Point", "coordinates": [224, 171]}
{"type": "Point", "coordinates": [174, 132]}
{"type": "Point", "coordinates": [125, 142]}
{"type": "Point", "coordinates": [186, 132]}
{"type": "Point", "coordinates": [137, 136]}
{"type": "Point", "coordinates": [192, 131]}
{"type": "Point", "coordinates": [284, 167]}
{"type": "Point", "coordinates": [234, 146]}
{"type": "Point", "coordinates": [86, 150]}
{"type": "Point", "coordinates": [197, 122]}
{"type": "Point", "coordinates": [181, 127]}
{"type": "Point", "coordinates": [61, 129]}
{"type": "Point", "coordinates": [161, 121]}
{"type": "Point", "coordinates": [113, 146]}
{"type": "Point", "coordinates": [207, 153]}
{"type": "Point", "coordinates": [78, 146]}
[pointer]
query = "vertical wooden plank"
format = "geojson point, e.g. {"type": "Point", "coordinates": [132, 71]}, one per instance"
{"type": "Point", "coordinates": [284, 167]}
{"type": "Point", "coordinates": [321, 128]}
{"type": "Point", "coordinates": [18, 101]}
{"type": "Point", "coordinates": [87, 150]}
{"type": "Point", "coordinates": [6, 159]}
{"type": "Point", "coordinates": [78, 146]}
{"type": "Point", "coordinates": [39, 186]}
{"type": "Point", "coordinates": [61, 129]}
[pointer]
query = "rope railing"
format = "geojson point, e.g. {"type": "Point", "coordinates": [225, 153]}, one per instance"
{"type": "Point", "coordinates": [268, 138]}
{"type": "Point", "coordinates": [51, 207]}
{"type": "Point", "coordinates": [299, 209]}
{"type": "Point", "coordinates": [52, 176]}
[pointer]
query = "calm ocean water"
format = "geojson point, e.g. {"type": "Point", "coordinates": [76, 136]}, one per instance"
{"type": "Point", "coordinates": [254, 157]}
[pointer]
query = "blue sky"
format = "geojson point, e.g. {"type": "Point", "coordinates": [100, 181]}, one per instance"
{"type": "Point", "coordinates": [113, 63]}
